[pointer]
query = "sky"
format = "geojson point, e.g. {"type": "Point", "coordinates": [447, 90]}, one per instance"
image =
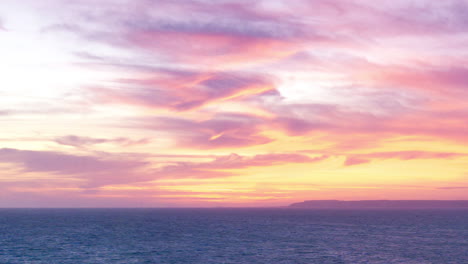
{"type": "Point", "coordinates": [198, 103]}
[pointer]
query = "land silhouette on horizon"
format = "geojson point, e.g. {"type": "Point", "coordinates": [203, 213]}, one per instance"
{"type": "Point", "coordinates": [397, 204]}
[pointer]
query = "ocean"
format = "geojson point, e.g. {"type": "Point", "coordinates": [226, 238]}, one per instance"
{"type": "Point", "coordinates": [224, 235]}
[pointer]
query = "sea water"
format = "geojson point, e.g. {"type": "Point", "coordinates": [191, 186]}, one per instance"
{"type": "Point", "coordinates": [223, 235]}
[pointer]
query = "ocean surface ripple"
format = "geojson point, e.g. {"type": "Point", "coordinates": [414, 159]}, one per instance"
{"type": "Point", "coordinates": [224, 235]}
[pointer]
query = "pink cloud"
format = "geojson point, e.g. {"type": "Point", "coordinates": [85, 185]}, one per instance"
{"type": "Point", "coordinates": [342, 124]}
{"type": "Point", "coordinates": [408, 155]}
{"type": "Point", "coordinates": [355, 161]}
{"type": "Point", "coordinates": [217, 167]}
{"type": "Point", "coordinates": [452, 187]}
{"type": "Point", "coordinates": [401, 155]}
{"type": "Point", "coordinates": [194, 33]}
{"type": "Point", "coordinates": [95, 170]}
{"type": "Point", "coordinates": [179, 90]}
{"type": "Point", "coordinates": [395, 18]}
{"type": "Point", "coordinates": [446, 81]}
{"type": "Point", "coordinates": [236, 161]}
{"type": "Point", "coordinates": [221, 131]}
{"type": "Point", "coordinates": [250, 32]}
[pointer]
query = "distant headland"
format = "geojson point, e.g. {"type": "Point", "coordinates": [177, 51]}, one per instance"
{"type": "Point", "coordinates": [382, 204]}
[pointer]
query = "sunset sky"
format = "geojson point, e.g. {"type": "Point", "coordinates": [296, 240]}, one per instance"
{"type": "Point", "coordinates": [181, 103]}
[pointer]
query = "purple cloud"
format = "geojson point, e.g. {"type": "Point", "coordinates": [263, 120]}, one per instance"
{"type": "Point", "coordinates": [95, 170]}
{"type": "Point", "coordinates": [77, 141]}
{"type": "Point", "coordinates": [221, 131]}
{"type": "Point", "coordinates": [244, 33]}
{"type": "Point", "coordinates": [183, 90]}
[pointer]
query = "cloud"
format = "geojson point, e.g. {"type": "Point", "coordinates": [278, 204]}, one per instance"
{"type": "Point", "coordinates": [355, 161]}
{"type": "Point", "coordinates": [77, 141]}
{"type": "Point", "coordinates": [183, 90]}
{"type": "Point", "coordinates": [235, 161]}
{"type": "Point", "coordinates": [220, 166]}
{"type": "Point", "coordinates": [446, 81]}
{"type": "Point", "coordinates": [387, 19]}
{"type": "Point", "coordinates": [408, 155]}
{"type": "Point", "coordinates": [194, 33]}
{"type": "Point", "coordinates": [363, 125]}
{"type": "Point", "coordinates": [401, 155]}
{"type": "Point", "coordinates": [95, 170]}
{"type": "Point", "coordinates": [384, 98]}
{"type": "Point", "coordinates": [220, 131]}
{"type": "Point", "coordinates": [452, 188]}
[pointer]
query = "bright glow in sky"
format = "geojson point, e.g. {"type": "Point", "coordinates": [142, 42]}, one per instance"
{"type": "Point", "coordinates": [162, 103]}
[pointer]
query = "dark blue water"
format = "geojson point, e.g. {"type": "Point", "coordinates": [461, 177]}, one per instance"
{"type": "Point", "coordinates": [232, 236]}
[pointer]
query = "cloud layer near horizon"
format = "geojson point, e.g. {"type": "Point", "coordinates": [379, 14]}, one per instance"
{"type": "Point", "coordinates": [183, 103]}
